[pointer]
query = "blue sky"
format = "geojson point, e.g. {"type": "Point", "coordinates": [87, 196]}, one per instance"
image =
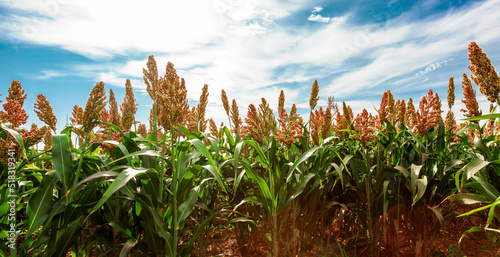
{"type": "Point", "coordinates": [252, 49]}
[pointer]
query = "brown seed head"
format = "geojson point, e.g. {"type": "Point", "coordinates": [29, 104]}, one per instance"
{"type": "Point", "coordinates": [470, 101]}
{"type": "Point", "coordinates": [427, 115]}
{"type": "Point", "coordinates": [363, 124]}
{"type": "Point", "coordinates": [172, 101]}
{"type": "Point", "coordinates": [260, 123]}
{"type": "Point", "coordinates": [332, 105]}
{"type": "Point", "coordinates": [95, 106]}
{"type": "Point", "coordinates": [44, 112]}
{"type": "Point", "coordinates": [401, 112]}
{"type": "Point", "coordinates": [253, 126]}
{"type": "Point", "coordinates": [450, 122]}
{"type": "Point", "coordinates": [484, 74]}
{"type": "Point", "coordinates": [266, 116]}
{"type": "Point", "coordinates": [16, 92]}
{"type": "Point", "coordinates": [128, 107]}
{"type": "Point", "coordinates": [225, 102]}
{"type": "Point", "coordinates": [47, 140]}
{"type": "Point", "coordinates": [105, 117]}
{"type": "Point", "coordinates": [13, 113]}
{"type": "Point", "coordinates": [142, 130]}
{"type": "Point", "coordinates": [201, 109]}
{"type": "Point", "coordinates": [382, 111]}
{"type": "Point", "coordinates": [411, 116]}
{"type": "Point", "coordinates": [327, 124]}
{"type": "Point", "coordinates": [313, 99]}
{"type": "Point", "coordinates": [77, 116]}
{"type": "Point", "coordinates": [290, 127]}
{"type": "Point", "coordinates": [5, 145]}
{"type": "Point", "coordinates": [437, 108]}
{"type": "Point", "coordinates": [235, 117]}
{"type": "Point", "coordinates": [451, 93]}
{"type": "Point", "coordinates": [391, 107]}
{"type": "Point", "coordinates": [113, 109]}
{"type": "Point", "coordinates": [347, 112]}
{"type": "Point", "coordinates": [191, 120]}
{"type": "Point", "coordinates": [151, 77]}
{"type": "Point", "coordinates": [34, 135]}
{"type": "Point", "coordinates": [316, 120]}
{"type": "Point", "coordinates": [281, 101]}
{"type": "Point", "coordinates": [214, 131]}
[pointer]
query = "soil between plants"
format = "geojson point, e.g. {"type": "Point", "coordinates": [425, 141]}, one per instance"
{"type": "Point", "coordinates": [473, 244]}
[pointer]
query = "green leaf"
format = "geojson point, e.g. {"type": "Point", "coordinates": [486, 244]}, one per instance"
{"type": "Point", "coordinates": [474, 166]}
{"type": "Point", "coordinates": [437, 212]}
{"type": "Point", "coordinates": [216, 174]}
{"type": "Point", "coordinates": [421, 187]}
{"type": "Point", "coordinates": [201, 228]}
{"type": "Point", "coordinates": [302, 184]}
{"type": "Point", "coordinates": [492, 205]}
{"type": "Point", "coordinates": [101, 174]}
{"type": "Point", "coordinates": [474, 229]}
{"type": "Point", "coordinates": [16, 136]}
{"type": "Point", "coordinates": [62, 160]}
{"type": "Point", "coordinates": [120, 228]}
{"type": "Point", "coordinates": [467, 128]}
{"type": "Point", "coordinates": [229, 137]}
{"type": "Point", "coordinates": [160, 225]}
{"type": "Point", "coordinates": [187, 207]}
{"type": "Point", "coordinates": [468, 198]}
{"type": "Point", "coordinates": [138, 153]}
{"type": "Point", "coordinates": [415, 173]}
{"type": "Point", "coordinates": [484, 188]}
{"type": "Point", "coordinates": [40, 204]}
{"type": "Point", "coordinates": [484, 117]}
{"type": "Point", "coordinates": [268, 202]}
{"type": "Point", "coordinates": [301, 159]}
{"type": "Point", "coordinates": [67, 237]}
{"type": "Point", "coordinates": [263, 158]}
{"type": "Point", "coordinates": [127, 247]}
{"type": "Point", "coordinates": [200, 146]}
{"type": "Point", "coordinates": [118, 183]}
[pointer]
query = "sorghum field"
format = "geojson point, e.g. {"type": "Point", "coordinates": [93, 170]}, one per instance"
{"type": "Point", "coordinates": [402, 182]}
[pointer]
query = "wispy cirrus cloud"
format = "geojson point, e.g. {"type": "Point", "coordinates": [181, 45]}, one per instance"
{"type": "Point", "coordinates": [429, 68]}
{"type": "Point", "coordinates": [318, 18]}
{"type": "Point", "coordinates": [315, 16]}
{"type": "Point", "coordinates": [245, 47]}
{"type": "Point", "coordinates": [412, 46]}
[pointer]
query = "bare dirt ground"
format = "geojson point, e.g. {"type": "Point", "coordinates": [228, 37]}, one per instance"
{"type": "Point", "coordinates": [474, 244]}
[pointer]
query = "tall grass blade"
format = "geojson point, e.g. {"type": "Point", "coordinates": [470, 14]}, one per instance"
{"type": "Point", "coordinates": [62, 160]}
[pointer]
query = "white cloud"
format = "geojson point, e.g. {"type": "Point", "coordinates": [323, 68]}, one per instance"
{"type": "Point", "coordinates": [407, 47]}
{"type": "Point", "coordinates": [318, 18]}
{"type": "Point", "coordinates": [238, 45]}
{"type": "Point", "coordinates": [48, 74]}
{"type": "Point", "coordinates": [317, 9]}
{"type": "Point", "coordinates": [315, 16]}
{"type": "Point", "coordinates": [421, 72]}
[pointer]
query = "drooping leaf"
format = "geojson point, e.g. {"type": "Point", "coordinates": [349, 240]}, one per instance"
{"type": "Point", "coordinates": [40, 203]}
{"type": "Point", "coordinates": [421, 188]}
{"type": "Point", "coordinates": [127, 247]}
{"type": "Point", "coordinates": [121, 180]}
{"type": "Point", "coordinates": [67, 237]}
{"type": "Point", "coordinates": [484, 117]}
{"type": "Point", "coordinates": [187, 207]}
{"type": "Point", "coordinates": [474, 166]}
{"type": "Point", "coordinates": [301, 159]}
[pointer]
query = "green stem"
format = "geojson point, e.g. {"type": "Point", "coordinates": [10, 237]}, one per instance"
{"type": "Point", "coordinates": [275, 233]}
{"type": "Point", "coordinates": [174, 191]}
{"type": "Point", "coordinates": [78, 170]}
